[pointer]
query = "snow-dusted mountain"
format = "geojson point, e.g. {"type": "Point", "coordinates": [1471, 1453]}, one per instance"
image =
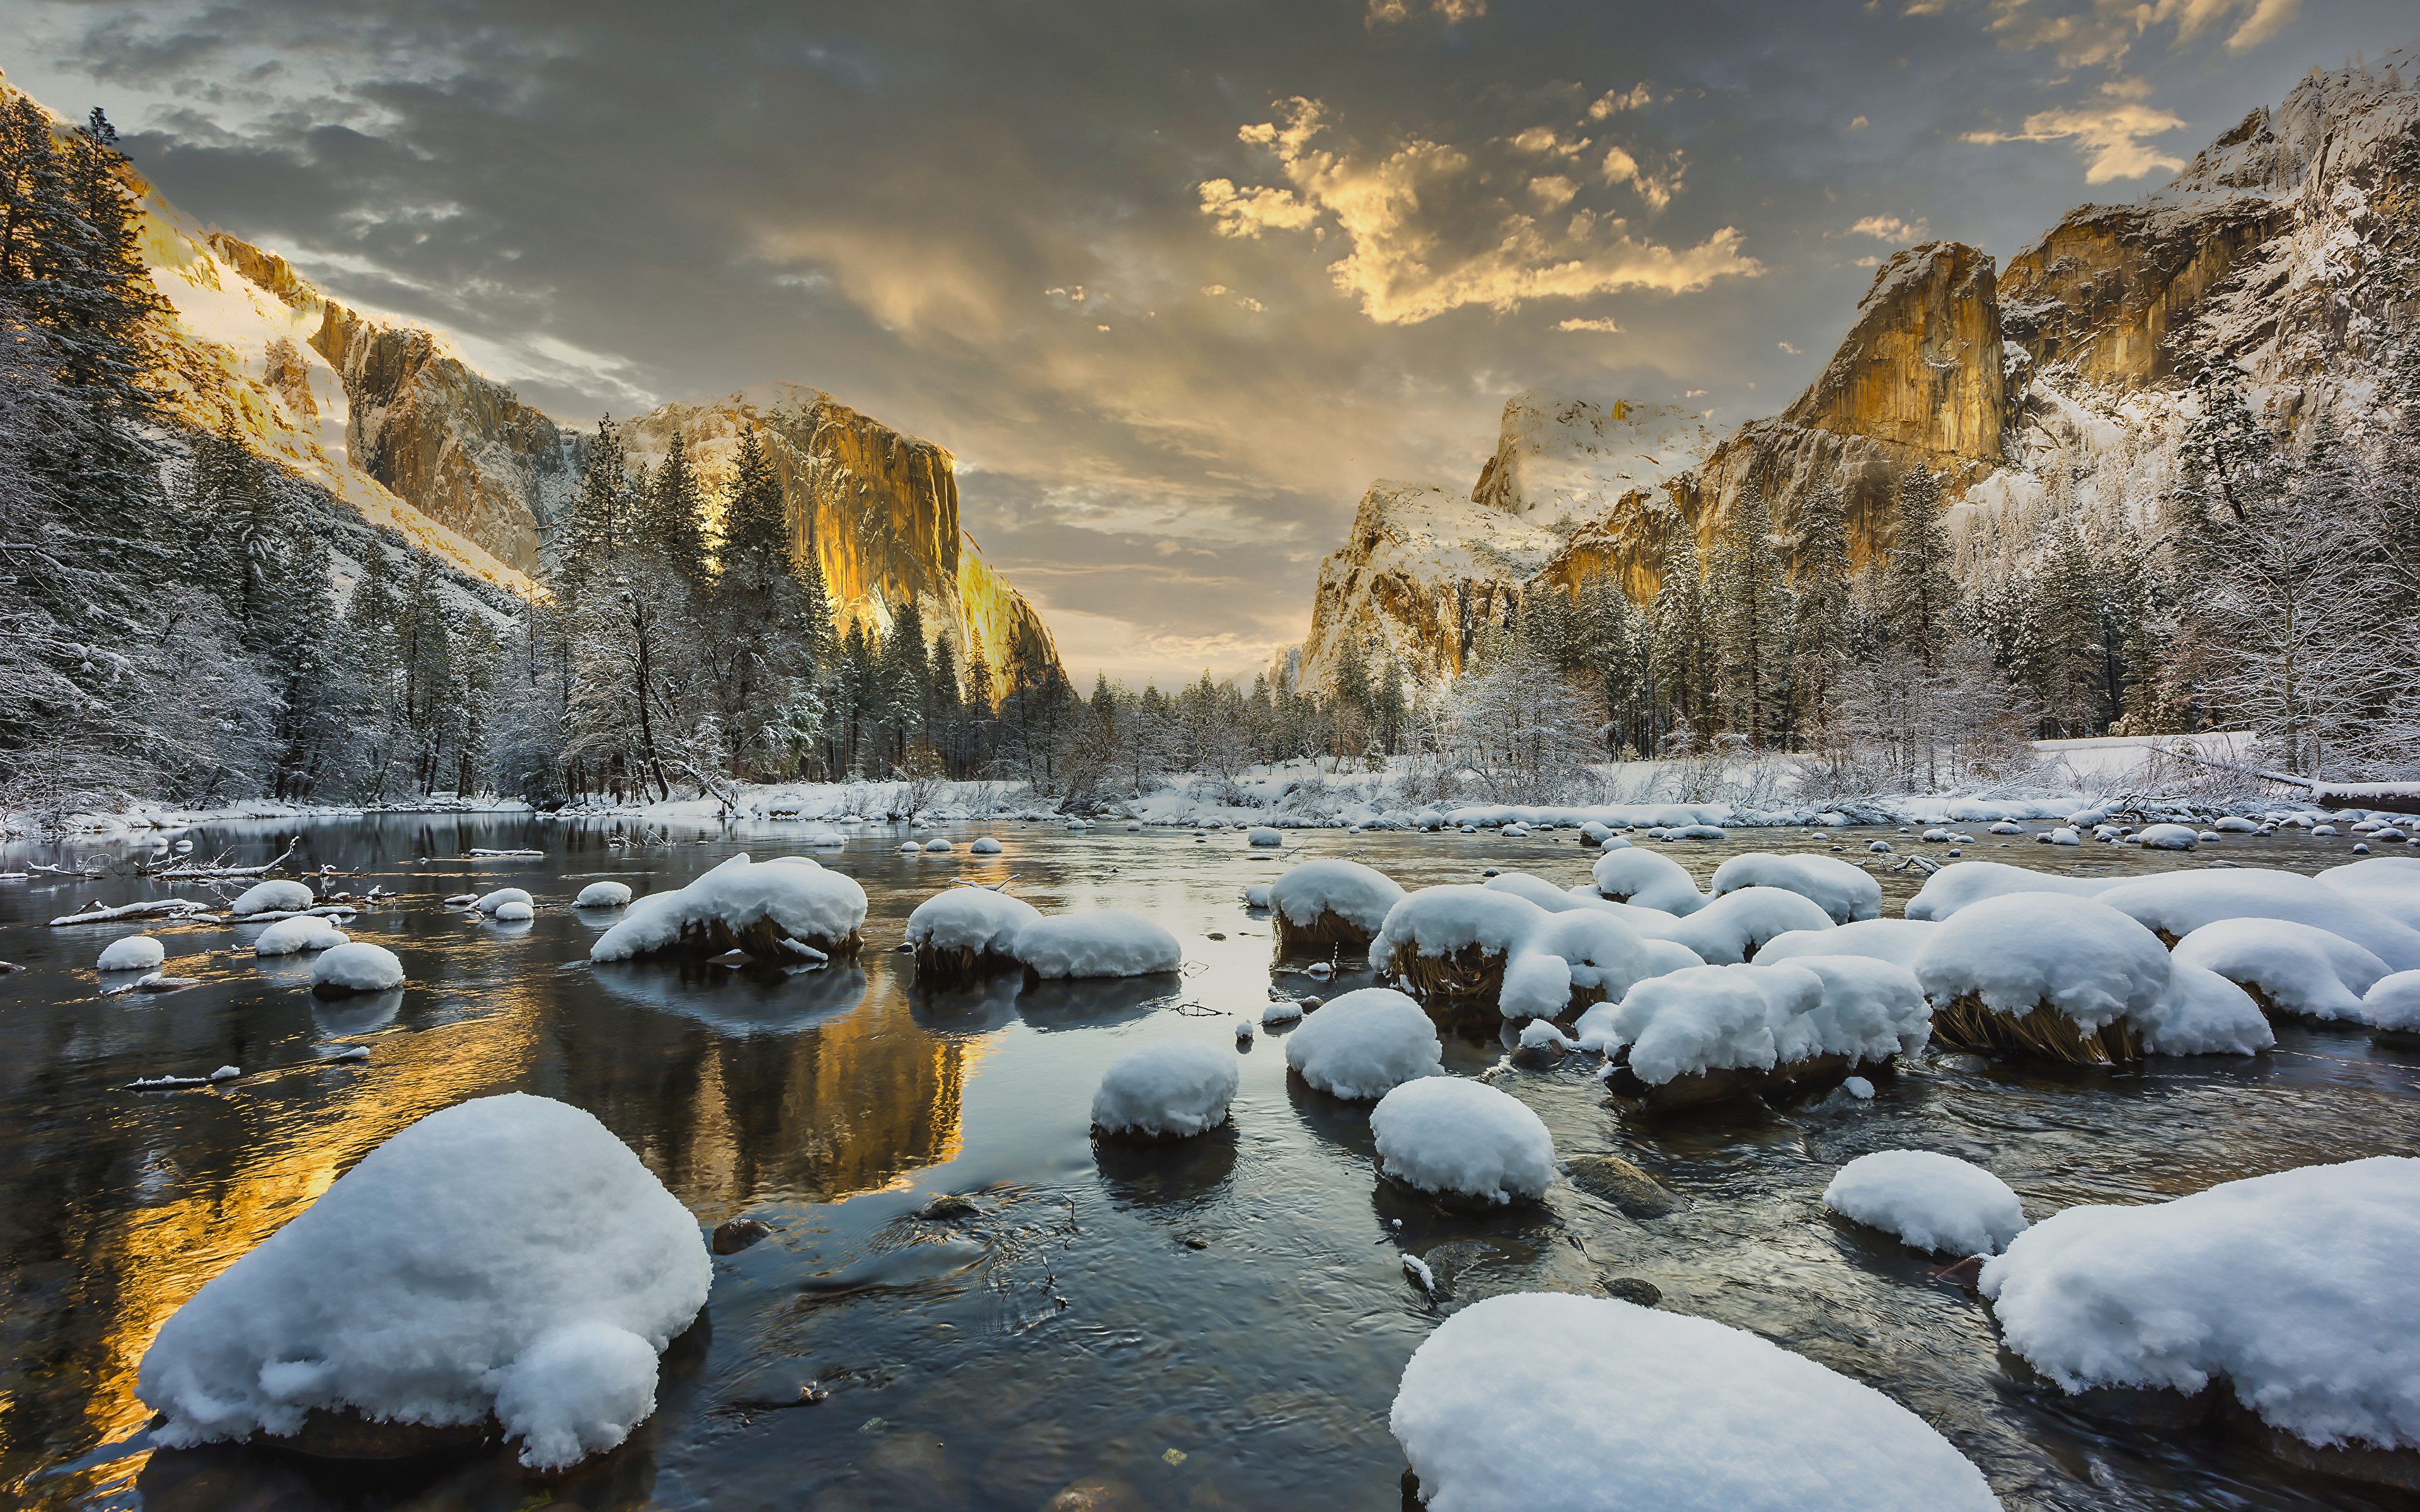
{"type": "Point", "coordinates": [2288, 250]}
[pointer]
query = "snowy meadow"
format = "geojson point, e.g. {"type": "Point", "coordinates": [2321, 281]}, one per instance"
{"type": "Point", "coordinates": [999, 1212]}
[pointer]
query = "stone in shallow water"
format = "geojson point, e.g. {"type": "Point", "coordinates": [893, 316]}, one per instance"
{"type": "Point", "coordinates": [737, 1235]}
{"type": "Point", "coordinates": [1631, 1289]}
{"type": "Point", "coordinates": [1611, 1178]}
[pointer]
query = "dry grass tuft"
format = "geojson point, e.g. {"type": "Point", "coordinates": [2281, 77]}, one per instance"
{"type": "Point", "coordinates": [959, 964]}
{"type": "Point", "coordinates": [2042, 1034]}
{"type": "Point", "coordinates": [1327, 931]}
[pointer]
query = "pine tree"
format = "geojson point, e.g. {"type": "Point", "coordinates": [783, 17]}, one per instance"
{"type": "Point", "coordinates": [1819, 573]}
{"type": "Point", "coordinates": [755, 525]}
{"type": "Point", "coordinates": [1919, 585]}
{"type": "Point", "coordinates": [597, 525]}
{"type": "Point", "coordinates": [1683, 657]}
{"type": "Point", "coordinates": [676, 511]}
{"type": "Point", "coordinates": [1750, 613]}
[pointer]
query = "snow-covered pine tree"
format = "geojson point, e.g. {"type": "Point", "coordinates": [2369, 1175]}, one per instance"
{"type": "Point", "coordinates": [1749, 606]}
{"type": "Point", "coordinates": [1919, 585]}
{"type": "Point", "coordinates": [674, 521]}
{"type": "Point", "coordinates": [1683, 659]}
{"type": "Point", "coordinates": [1818, 579]}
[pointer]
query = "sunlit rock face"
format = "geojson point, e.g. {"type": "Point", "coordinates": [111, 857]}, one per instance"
{"type": "Point", "coordinates": [877, 507]}
{"type": "Point", "coordinates": [2278, 254]}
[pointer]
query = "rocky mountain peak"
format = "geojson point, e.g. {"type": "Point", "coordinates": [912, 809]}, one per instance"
{"type": "Point", "coordinates": [1560, 456]}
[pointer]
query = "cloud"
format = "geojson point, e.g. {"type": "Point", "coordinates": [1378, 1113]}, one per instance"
{"type": "Point", "coordinates": [1786, 347]}
{"type": "Point", "coordinates": [1455, 11]}
{"type": "Point", "coordinates": [1426, 230]}
{"type": "Point", "coordinates": [1554, 191]}
{"type": "Point", "coordinates": [2099, 33]}
{"type": "Point", "coordinates": [1858, 124]}
{"type": "Point", "coordinates": [1889, 228]}
{"type": "Point", "coordinates": [1656, 192]}
{"type": "Point", "coordinates": [1602, 325]}
{"type": "Point", "coordinates": [2109, 131]}
{"type": "Point", "coordinates": [1613, 101]}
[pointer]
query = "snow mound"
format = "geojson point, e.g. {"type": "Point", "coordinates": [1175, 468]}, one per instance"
{"type": "Point", "coordinates": [1284, 1010]}
{"type": "Point", "coordinates": [1735, 926]}
{"type": "Point", "coordinates": [305, 931]}
{"type": "Point", "coordinates": [1463, 1139]}
{"type": "Point", "coordinates": [135, 952]}
{"type": "Point", "coordinates": [2202, 1014]}
{"type": "Point", "coordinates": [1443, 921]}
{"type": "Point", "coordinates": [507, 1256]}
{"type": "Point", "coordinates": [1931, 1201]}
{"type": "Point", "coordinates": [1570, 959]}
{"type": "Point", "coordinates": [2393, 1003]}
{"type": "Point", "coordinates": [357, 966]}
{"type": "Point", "coordinates": [1843, 891]}
{"type": "Point", "coordinates": [2168, 838]}
{"type": "Point", "coordinates": [603, 895]}
{"type": "Point", "coordinates": [1257, 895]}
{"type": "Point", "coordinates": [2179, 903]}
{"type": "Point", "coordinates": [969, 919]}
{"type": "Point", "coordinates": [2019, 951]}
{"type": "Point", "coordinates": [744, 905]}
{"type": "Point", "coordinates": [1264, 836]}
{"type": "Point", "coordinates": [1359, 895]}
{"type": "Point", "coordinates": [2388, 885]}
{"type": "Point", "coordinates": [1895, 940]}
{"type": "Point", "coordinates": [1962, 884]}
{"type": "Point", "coordinates": [983, 846]}
{"type": "Point", "coordinates": [1365, 1044]}
{"type": "Point", "coordinates": [273, 896]}
{"type": "Point", "coordinates": [1105, 943]}
{"type": "Point", "coordinates": [2297, 969]}
{"type": "Point", "coordinates": [2295, 1287]}
{"type": "Point", "coordinates": [502, 896]}
{"type": "Point", "coordinates": [1650, 881]}
{"type": "Point", "coordinates": [1548, 1402]}
{"type": "Point", "coordinates": [821, 836]}
{"type": "Point", "coordinates": [514, 911]}
{"type": "Point", "coordinates": [1763, 1017]}
{"type": "Point", "coordinates": [937, 846]}
{"type": "Point", "coordinates": [1168, 1089]}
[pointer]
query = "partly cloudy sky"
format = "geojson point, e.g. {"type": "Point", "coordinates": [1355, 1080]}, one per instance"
{"type": "Point", "coordinates": [1174, 281]}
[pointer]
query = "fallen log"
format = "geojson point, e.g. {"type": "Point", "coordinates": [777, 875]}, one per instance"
{"type": "Point", "coordinates": [95, 914]}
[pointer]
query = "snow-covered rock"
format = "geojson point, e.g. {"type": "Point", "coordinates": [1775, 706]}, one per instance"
{"type": "Point", "coordinates": [502, 896]}
{"type": "Point", "coordinates": [1104, 943]}
{"type": "Point", "coordinates": [1548, 1402]}
{"type": "Point", "coordinates": [2392, 1005]}
{"type": "Point", "coordinates": [514, 911]}
{"type": "Point", "coordinates": [1845, 892]}
{"type": "Point", "coordinates": [2007, 956]}
{"type": "Point", "coordinates": [507, 1257]}
{"type": "Point", "coordinates": [134, 952]}
{"type": "Point", "coordinates": [2202, 1014]}
{"type": "Point", "coordinates": [357, 966]}
{"type": "Point", "coordinates": [1365, 1044]}
{"type": "Point", "coordinates": [983, 846]}
{"type": "Point", "coordinates": [1961, 883]}
{"type": "Point", "coordinates": [1463, 1139]}
{"type": "Point", "coordinates": [275, 896]}
{"type": "Point", "coordinates": [1895, 940]}
{"type": "Point", "coordinates": [305, 931]}
{"type": "Point", "coordinates": [1168, 1088]}
{"type": "Point", "coordinates": [1648, 880]}
{"type": "Point", "coordinates": [937, 846]}
{"type": "Point", "coordinates": [2294, 1288]}
{"type": "Point", "coordinates": [2387, 885]}
{"type": "Point", "coordinates": [1931, 1201]}
{"type": "Point", "coordinates": [2292, 968]}
{"type": "Point", "coordinates": [743, 905]}
{"type": "Point", "coordinates": [2167, 838]}
{"type": "Point", "coordinates": [1708, 1032]}
{"type": "Point", "coordinates": [2176, 903]}
{"type": "Point", "coordinates": [1283, 1010]}
{"type": "Point", "coordinates": [1569, 960]}
{"type": "Point", "coordinates": [1262, 835]}
{"type": "Point", "coordinates": [603, 895]}
{"type": "Point", "coordinates": [1331, 903]}
{"type": "Point", "coordinates": [1735, 926]}
{"type": "Point", "coordinates": [965, 932]}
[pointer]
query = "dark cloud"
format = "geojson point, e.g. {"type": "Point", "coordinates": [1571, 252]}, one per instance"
{"type": "Point", "coordinates": [933, 210]}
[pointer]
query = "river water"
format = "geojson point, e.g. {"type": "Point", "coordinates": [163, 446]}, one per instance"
{"type": "Point", "coordinates": [1220, 1324]}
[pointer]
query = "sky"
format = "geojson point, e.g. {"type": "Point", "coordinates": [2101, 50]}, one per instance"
{"type": "Point", "coordinates": [1174, 281]}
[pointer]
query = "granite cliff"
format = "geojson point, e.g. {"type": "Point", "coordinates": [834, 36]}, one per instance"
{"type": "Point", "coordinates": [2288, 252]}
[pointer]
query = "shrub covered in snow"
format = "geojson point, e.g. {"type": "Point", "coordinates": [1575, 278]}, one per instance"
{"type": "Point", "coordinates": [768, 909]}
{"type": "Point", "coordinates": [305, 931]}
{"type": "Point", "coordinates": [967, 932]}
{"type": "Point", "coordinates": [1929, 1200]}
{"type": "Point", "coordinates": [1734, 926]}
{"type": "Point", "coordinates": [2176, 903]}
{"type": "Point", "coordinates": [1104, 943]}
{"type": "Point", "coordinates": [1845, 892]}
{"type": "Point", "coordinates": [1895, 940]}
{"type": "Point", "coordinates": [1546, 1402]}
{"type": "Point", "coordinates": [2285, 967]}
{"type": "Point", "coordinates": [2294, 1288]}
{"type": "Point", "coordinates": [1365, 1044]}
{"type": "Point", "coordinates": [134, 952]}
{"type": "Point", "coordinates": [508, 1256]}
{"type": "Point", "coordinates": [357, 966]}
{"type": "Point", "coordinates": [2042, 973]}
{"type": "Point", "coordinates": [277, 896]}
{"type": "Point", "coordinates": [1168, 1088]}
{"type": "Point", "coordinates": [603, 895]}
{"type": "Point", "coordinates": [1647, 879]}
{"type": "Point", "coordinates": [1331, 903]}
{"type": "Point", "coordinates": [1463, 1139]}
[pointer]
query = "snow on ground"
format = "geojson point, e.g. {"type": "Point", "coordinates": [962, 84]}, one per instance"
{"type": "Point", "coordinates": [1365, 1044]}
{"type": "Point", "coordinates": [2299, 969]}
{"type": "Point", "coordinates": [1166, 1089]}
{"type": "Point", "coordinates": [507, 1255]}
{"type": "Point", "coordinates": [133, 952]}
{"type": "Point", "coordinates": [1929, 1200]}
{"type": "Point", "coordinates": [2023, 949]}
{"type": "Point", "coordinates": [1846, 892]}
{"type": "Point", "coordinates": [304, 932]}
{"type": "Point", "coordinates": [791, 899]}
{"type": "Point", "coordinates": [603, 895]}
{"type": "Point", "coordinates": [1104, 943]}
{"type": "Point", "coordinates": [1462, 1139]}
{"type": "Point", "coordinates": [2295, 1289]}
{"type": "Point", "coordinates": [2179, 902]}
{"type": "Point", "coordinates": [1357, 894]}
{"type": "Point", "coordinates": [1895, 940]}
{"type": "Point", "coordinates": [277, 896]}
{"type": "Point", "coordinates": [1547, 1403]}
{"type": "Point", "coordinates": [358, 966]}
